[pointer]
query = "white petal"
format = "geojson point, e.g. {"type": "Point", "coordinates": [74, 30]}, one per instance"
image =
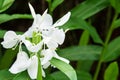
{"type": "Point", "coordinates": [28, 33]}
{"type": "Point", "coordinates": [31, 47]}
{"type": "Point", "coordinates": [20, 64]}
{"type": "Point", "coordinates": [10, 39]}
{"type": "Point", "coordinates": [58, 36]}
{"type": "Point", "coordinates": [9, 44]}
{"type": "Point", "coordinates": [32, 10]}
{"type": "Point", "coordinates": [48, 54]}
{"type": "Point", "coordinates": [43, 73]}
{"type": "Point", "coordinates": [46, 21]}
{"type": "Point", "coordinates": [33, 68]}
{"type": "Point", "coordinates": [60, 58]}
{"type": "Point", "coordinates": [37, 21]}
{"type": "Point", "coordinates": [51, 44]}
{"type": "Point", "coordinates": [62, 20]}
{"type": "Point", "coordinates": [46, 65]}
{"type": "Point", "coordinates": [47, 32]}
{"type": "Point", "coordinates": [9, 35]}
{"type": "Point", "coordinates": [45, 12]}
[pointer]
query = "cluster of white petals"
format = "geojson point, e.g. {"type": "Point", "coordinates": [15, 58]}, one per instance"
{"type": "Point", "coordinates": [51, 36]}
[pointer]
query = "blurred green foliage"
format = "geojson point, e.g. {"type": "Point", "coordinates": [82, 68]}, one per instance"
{"type": "Point", "coordinates": [90, 48]}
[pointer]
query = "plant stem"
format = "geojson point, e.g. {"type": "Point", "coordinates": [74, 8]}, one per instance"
{"type": "Point", "coordinates": [105, 47]}
{"type": "Point", "coordinates": [39, 74]}
{"type": "Point", "coordinates": [36, 38]}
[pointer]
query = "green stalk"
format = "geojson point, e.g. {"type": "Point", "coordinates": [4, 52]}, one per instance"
{"type": "Point", "coordinates": [36, 39]}
{"type": "Point", "coordinates": [105, 47]}
{"type": "Point", "coordinates": [109, 13]}
{"type": "Point", "coordinates": [39, 74]}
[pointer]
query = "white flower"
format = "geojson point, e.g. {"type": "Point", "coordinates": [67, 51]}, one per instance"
{"type": "Point", "coordinates": [40, 21]}
{"type": "Point", "coordinates": [11, 39]}
{"type": "Point", "coordinates": [46, 21]}
{"type": "Point", "coordinates": [32, 47]}
{"type": "Point", "coordinates": [23, 62]}
{"type": "Point", "coordinates": [48, 55]}
{"type": "Point", "coordinates": [56, 37]}
{"type": "Point", "coordinates": [52, 36]}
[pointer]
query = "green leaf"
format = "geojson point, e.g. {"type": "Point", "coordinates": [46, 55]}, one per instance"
{"type": "Point", "coordinates": [55, 3]}
{"type": "Point", "coordinates": [6, 75]}
{"type": "Point", "coordinates": [6, 4]}
{"type": "Point", "coordinates": [58, 76]}
{"type": "Point", "coordinates": [6, 17]}
{"type": "Point", "coordinates": [82, 75]}
{"type": "Point", "coordinates": [116, 5]}
{"type": "Point", "coordinates": [1, 3]}
{"type": "Point", "coordinates": [8, 58]}
{"type": "Point", "coordinates": [84, 38]}
{"type": "Point", "coordinates": [111, 72]}
{"type": "Point", "coordinates": [89, 8]}
{"type": "Point", "coordinates": [2, 32]}
{"type": "Point", "coordinates": [116, 23]}
{"type": "Point", "coordinates": [113, 51]}
{"type": "Point", "coordinates": [84, 65]}
{"type": "Point", "coordinates": [22, 76]}
{"type": "Point", "coordinates": [74, 53]}
{"type": "Point", "coordinates": [84, 11]}
{"type": "Point", "coordinates": [77, 23]}
{"type": "Point", "coordinates": [65, 68]}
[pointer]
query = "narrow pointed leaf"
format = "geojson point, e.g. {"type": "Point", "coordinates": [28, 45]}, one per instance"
{"type": "Point", "coordinates": [115, 4]}
{"type": "Point", "coordinates": [8, 58]}
{"type": "Point", "coordinates": [55, 3]}
{"type": "Point", "coordinates": [6, 75]}
{"type": "Point", "coordinates": [84, 38]}
{"type": "Point", "coordinates": [113, 51]}
{"type": "Point", "coordinates": [22, 76]}
{"type": "Point", "coordinates": [65, 68]}
{"type": "Point", "coordinates": [5, 4]}
{"type": "Point", "coordinates": [6, 17]}
{"type": "Point", "coordinates": [89, 8]}
{"type": "Point", "coordinates": [117, 23]}
{"type": "Point", "coordinates": [111, 72]}
{"type": "Point", "coordinates": [90, 52]}
{"type": "Point", "coordinates": [77, 23]}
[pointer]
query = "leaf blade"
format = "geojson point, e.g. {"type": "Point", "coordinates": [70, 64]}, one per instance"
{"type": "Point", "coordinates": [65, 68]}
{"type": "Point", "coordinates": [111, 72]}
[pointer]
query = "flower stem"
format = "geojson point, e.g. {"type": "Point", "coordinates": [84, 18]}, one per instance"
{"type": "Point", "coordinates": [105, 47]}
{"type": "Point", "coordinates": [36, 38]}
{"type": "Point", "coordinates": [39, 74]}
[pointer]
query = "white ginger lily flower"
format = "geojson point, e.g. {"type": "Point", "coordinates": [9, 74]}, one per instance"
{"type": "Point", "coordinates": [32, 47]}
{"type": "Point", "coordinates": [41, 22]}
{"type": "Point", "coordinates": [23, 62]}
{"type": "Point", "coordinates": [48, 55]}
{"type": "Point", "coordinates": [11, 39]}
{"type": "Point", "coordinates": [33, 68]}
{"type": "Point", "coordinates": [52, 36]}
